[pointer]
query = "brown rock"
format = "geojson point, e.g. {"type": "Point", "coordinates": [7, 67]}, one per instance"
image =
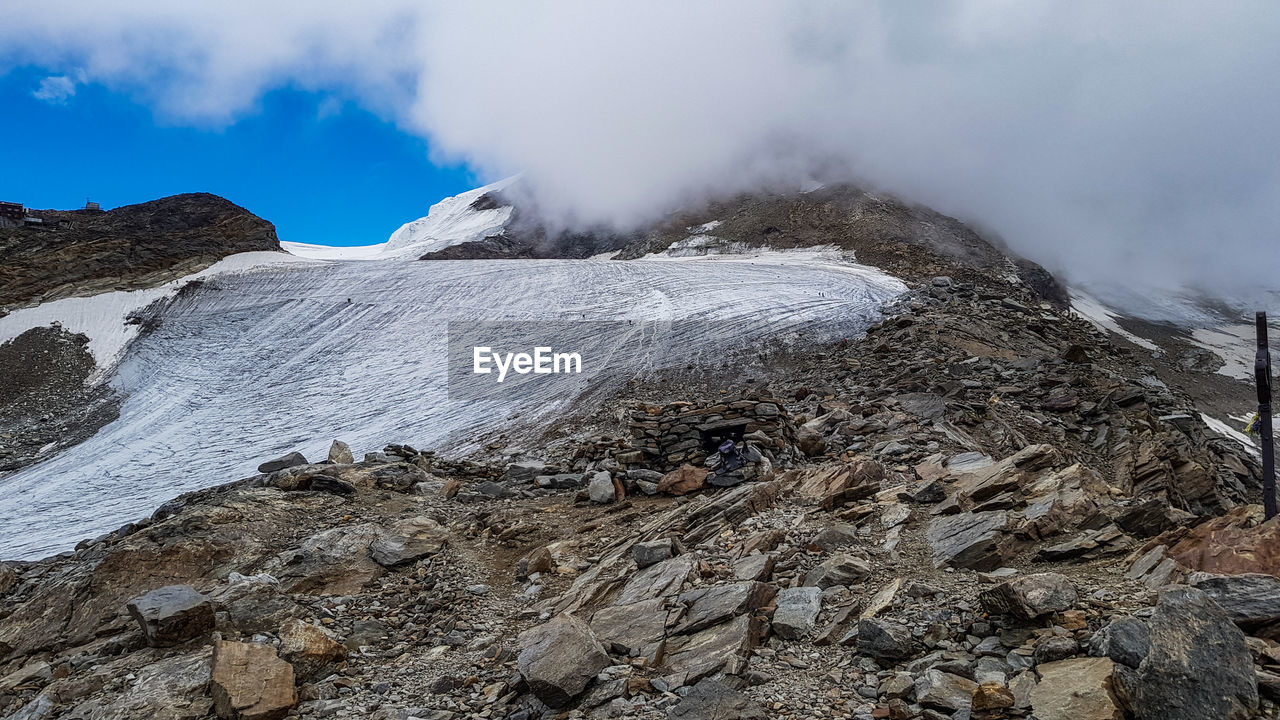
{"type": "Point", "coordinates": [683, 481]}
{"type": "Point", "coordinates": [250, 683]}
{"type": "Point", "coordinates": [1232, 544]}
{"type": "Point", "coordinates": [310, 650]}
{"type": "Point", "coordinates": [1076, 689]}
{"type": "Point", "coordinates": [991, 696]}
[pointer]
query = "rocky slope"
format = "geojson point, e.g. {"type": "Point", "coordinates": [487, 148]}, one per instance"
{"type": "Point", "coordinates": [984, 509]}
{"type": "Point", "coordinates": [46, 398]}
{"type": "Point", "coordinates": [910, 241]}
{"type": "Point", "coordinates": [83, 252]}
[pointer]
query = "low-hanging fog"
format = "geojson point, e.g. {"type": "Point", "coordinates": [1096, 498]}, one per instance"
{"type": "Point", "coordinates": [1122, 144]}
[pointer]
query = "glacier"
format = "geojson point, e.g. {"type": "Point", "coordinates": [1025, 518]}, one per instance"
{"type": "Point", "coordinates": [259, 360]}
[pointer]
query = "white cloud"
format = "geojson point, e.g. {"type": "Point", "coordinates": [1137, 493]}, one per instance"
{"type": "Point", "coordinates": [1115, 142]}
{"type": "Point", "coordinates": [55, 89]}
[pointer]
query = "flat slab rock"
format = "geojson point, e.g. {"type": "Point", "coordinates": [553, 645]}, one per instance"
{"type": "Point", "coordinates": [973, 541]}
{"type": "Point", "coordinates": [249, 682]}
{"type": "Point", "coordinates": [1075, 689]}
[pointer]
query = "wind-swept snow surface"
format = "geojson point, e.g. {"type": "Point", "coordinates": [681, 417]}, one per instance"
{"type": "Point", "coordinates": [251, 365]}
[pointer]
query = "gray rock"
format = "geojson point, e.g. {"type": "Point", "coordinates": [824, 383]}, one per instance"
{"type": "Point", "coordinates": [841, 569]}
{"type": "Point", "coordinates": [172, 614]}
{"type": "Point", "coordinates": [653, 552]}
{"type": "Point", "coordinates": [665, 578]}
{"type": "Point", "coordinates": [713, 700]}
{"type": "Point", "coordinates": [407, 541]}
{"type": "Point", "coordinates": [634, 630]}
{"type": "Point", "coordinates": [885, 640]}
{"type": "Point", "coordinates": [709, 606]}
{"type": "Point", "coordinates": [944, 691]}
{"type": "Point", "coordinates": [753, 567]}
{"type": "Point", "coordinates": [975, 541]}
{"type": "Point", "coordinates": [1030, 597]}
{"type": "Point", "coordinates": [495, 490]}
{"type": "Point", "coordinates": [523, 472]}
{"type": "Point", "coordinates": [600, 488]}
{"type": "Point", "coordinates": [340, 453]}
{"type": "Point", "coordinates": [1125, 640]}
{"type": "Point", "coordinates": [558, 659]}
{"type": "Point", "coordinates": [835, 536]}
{"type": "Point", "coordinates": [797, 612]}
{"type": "Point", "coordinates": [560, 481]}
{"type": "Point", "coordinates": [293, 459]}
{"type": "Point", "coordinates": [1198, 666]}
{"type": "Point", "coordinates": [1052, 649]}
{"type": "Point", "coordinates": [1252, 601]}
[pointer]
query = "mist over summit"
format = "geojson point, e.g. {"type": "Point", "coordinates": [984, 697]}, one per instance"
{"type": "Point", "coordinates": [1117, 144]}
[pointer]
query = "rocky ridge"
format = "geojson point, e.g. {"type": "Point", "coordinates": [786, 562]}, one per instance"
{"type": "Point", "coordinates": [84, 252]}
{"type": "Point", "coordinates": [983, 509]}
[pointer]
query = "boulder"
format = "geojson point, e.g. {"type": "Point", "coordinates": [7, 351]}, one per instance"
{"type": "Point", "coordinates": [797, 612]}
{"type": "Point", "coordinates": [1126, 640]}
{"type": "Point", "coordinates": [293, 459]}
{"type": "Point", "coordinates": [559, 658]}
{"type": "Point", "coordinates": [340, 453]}
{"type": "Point", "coordinates": [653, 552]}
{"type": "Point", "coordinates": [841, 569]}
{"type": "Point", "coordinates": [753, 567]}
{"type": "Point", "coordinates": [538, 561]}
{"type": "Point", "coordinates": [523, 473]}
{"type": "Point", "coordinates": [336, 561]}
{"type": "Point", "coordinates": [249, 682]}
{"type": "Point", "coordinates": [1030, 597]}
{"type": "Point", "coordinates": [713, 605]}
{"type": "Point", "coordinates": [1198, 666]}
{"type": "Point", "coordinates": [885, 640]}
{"type": "Point", "coordinates": [172, 615]}
{"type": "Point", "coordinates": [310, 650]}
{"type": "Point", "coordinates": [943, 690]}
{"type": "Point", "coordinates": [974, 541]}
{"type": "Point", "coordinates": [992, 698]}
{"type": "Point", "coordinates": [713, 700]}
{"type": "Point", "coordinates": [254, 604]}
{"type": "Point", "coordinates": [683, 480]}
{"type": "Point", "coordinates": [1252, 601]}
{"type": "Point", "coordinates": [1075, 689]}
{"type": "Point", "coordinates": [835, 536]}
{"type": "Point", "coordinates": [407, 541]}
{"type": "Point", "coordinates": [600, 488]}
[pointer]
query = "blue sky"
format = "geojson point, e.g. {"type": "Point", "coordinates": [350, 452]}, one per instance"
{"type": "Point", "coordinates": [324, 172]}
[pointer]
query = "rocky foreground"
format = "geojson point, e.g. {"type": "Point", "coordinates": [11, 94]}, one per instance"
{"type": "Point", "coordinates": [984, 509]}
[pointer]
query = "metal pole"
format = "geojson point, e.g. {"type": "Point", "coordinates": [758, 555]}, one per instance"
{"type": "Point", "coordinates": [1262, 373]}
